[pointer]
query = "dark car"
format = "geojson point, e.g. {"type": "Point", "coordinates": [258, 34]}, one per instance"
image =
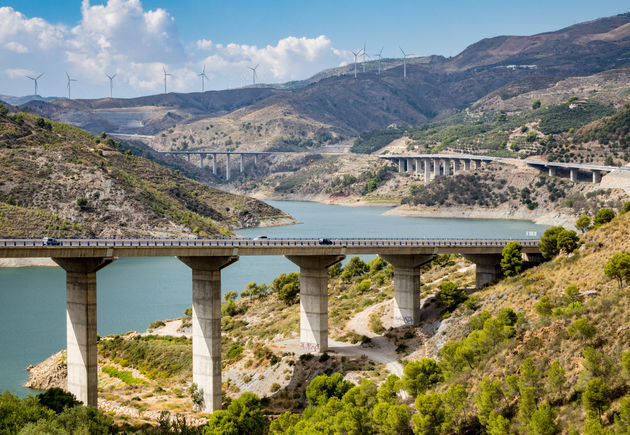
{"type": "Point", "coordinates": [325, 242]}
{"type": "Point", "coordinates": [50, 241]}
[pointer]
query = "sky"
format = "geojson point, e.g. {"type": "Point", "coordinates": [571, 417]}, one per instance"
{"type": "Point", "coordinates": [290, 40]}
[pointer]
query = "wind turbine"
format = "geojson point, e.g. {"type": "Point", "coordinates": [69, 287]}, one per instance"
{"type": "Point", "coordinates": [69, 81]}
{"type": "Point", "coordinates": [165, 74]}
{"type": "Point", "coordinates": [356, 58]}
{"type": "Point", "coordinates": [364, 56]}
{"type": "Point", "coordinates": [35, 80]}
{"type": "Point", "coordinates": [203, 78]}
{"type": "Point", "coordinates": [253, 73]}
{"type": "Point", "coordinates": [405, 55]}
{"type": "Point", "coordinates": [111, 83]}
{"type": "Point", "coordinates": [379, 60]}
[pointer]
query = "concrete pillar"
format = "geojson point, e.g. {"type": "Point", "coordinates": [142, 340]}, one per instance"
{"type": "Point", "coordinates": [477, 164]}
{"type": "Point", "coordinates": [201, 161]}
{"type": "Point", "coordinates": [409, 165]}
{"type": "Point", "coordinates": [487, 267]}
{"type": "Point", "coordinates": [255, 159]}
{"type": "Point", "coordinates": [81, 325]}
{"type": "Point", "coordinates": [206, 326]}
{"type": "Point", "coordinates": [427, 170]}
{"type": "Point", "coordinates": [447, 167]}
{"type": "Point", "coordinates": [407, 286]}
{"type": "Point", "coordinates": [418, 165]}
{"type": "Point", "coordinates": [242, 163]}
{"type": "Point", "coordinates": [467, 165]}
{"type": "Point", "coordinates": [597, 176]}
{"type": "Point", "coordinates": [552, 171]}
{"type": "Point", "coordinates": [436, 168]}
{"type": "Point", "coordinates": [227, 167]}
{"type": "Point", "coordinates": [574, 174]}
{"type": "Point", "coordinates": [214, 164]}
{"type": "Point", "coordinates": [401, 165]}
{"type": "Point", "coordinates": [455, 166]}
{"type": "Point", "coordinates": [314, 299]}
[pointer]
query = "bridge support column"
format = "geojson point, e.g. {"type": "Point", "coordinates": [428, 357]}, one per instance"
{"type": "Point", "coordinates": [81, 325]}
{"type": "Point", "coordinates": [227, 167]}
{"type": "Point", "coordinates": [436, 168]}
{"type": "Point", "coordinates": [314, 299]}
{"type": "Point", "coordinates": [206, 326]}
{"type": "Point", "coordinates": [401, 165]}
{"type": "Point", "coordinates": [467, 165]}
{"type": "Point", "coordinates": [477, 164]}
{"type": "Point", "coordinates": [553, 171]}
{"type": "Point", "coordinates": [455, 166]}
{"type": "Point", "coordinates": [407, 286]}
{"type": "Point", "coordinates": [427, 170]}
{"type": "Point", "coordinates": [418, 166]}
{"type": "Point", "coordinates": [242, 163]}
{"type": "Point", "coordinates": [255, 159]}
{"type": "Point", "coordinates": [487, 268]}
{"type": "Point", "coordinates": [409, 165]}
{"type": "Point", "coordinates": [214, 164]}
{"type": "Point", "coordinates": [597, 176]}
{"type": "Point", "coordinates": [201, 161]}
{"type": "Point", "coordinates": [574, 174]}
{"type": "Point", "coordinates": [447, 167]}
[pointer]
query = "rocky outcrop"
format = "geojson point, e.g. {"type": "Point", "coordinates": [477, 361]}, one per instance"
{"type": "Point", "coordinates": [50, 373]}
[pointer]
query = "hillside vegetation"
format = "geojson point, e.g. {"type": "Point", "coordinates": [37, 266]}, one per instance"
{"type": "Point", "coordinates": [57, 178]}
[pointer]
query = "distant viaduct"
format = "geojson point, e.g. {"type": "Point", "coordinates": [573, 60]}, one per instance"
{"type": "Point", "coordinates": [431, 166]}
{"type": "Point", "coordinates": [82, 259]}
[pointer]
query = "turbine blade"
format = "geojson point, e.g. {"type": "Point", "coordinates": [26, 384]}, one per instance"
{"type": "Point", "coordinates": [40, 76]}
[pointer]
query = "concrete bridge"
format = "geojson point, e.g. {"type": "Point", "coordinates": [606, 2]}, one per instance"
{"type": "Point", "coordinates": [83, 258]}
{"type": "Point", "coordinates": [431, 166]}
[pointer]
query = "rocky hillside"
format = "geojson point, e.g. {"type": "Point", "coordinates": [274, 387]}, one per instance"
{"type": "Point", "coordinates": [58, 180]}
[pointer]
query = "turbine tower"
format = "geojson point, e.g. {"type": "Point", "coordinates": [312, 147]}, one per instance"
{"type": "Point", "coordinates": [111, 83]}
{"type": "Point", "coordinates": [405, 55]}
{"type": "Point", "coordinates": [379, 55]}
{"type": "Point", "coordinates": [203, 78]}
{"type": "Point", "coordinates": [253, 73]}
{"type": "Point", "coordinates": [35, 80]}
{"type": "Point", "coordinates": [356, 59]}
{"type": "Point", "coordinates": [364, 56]}
{"type": "Point", "coordinates": [165, 75]}
{"type": "Point", "coordinates": [70, 81]}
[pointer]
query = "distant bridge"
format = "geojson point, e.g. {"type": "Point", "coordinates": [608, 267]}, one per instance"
{"type": "Point", "coordinates": [82, 258]}
{"type": "Point", "coordinates": [432, 166]}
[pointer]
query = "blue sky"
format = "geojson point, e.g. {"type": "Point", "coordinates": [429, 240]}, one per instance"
{"type": "Point", "coordinates": [289, 39]}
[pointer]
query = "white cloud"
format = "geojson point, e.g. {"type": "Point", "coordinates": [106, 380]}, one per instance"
{"type": "Point", "coordinates": [122, 37]}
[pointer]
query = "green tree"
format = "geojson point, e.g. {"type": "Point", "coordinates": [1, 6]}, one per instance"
{"type": "Point", "coordinates": [221, 422]}
{"type": "Point", "coordinates": [418, 376]}
{"type": "Point", "coordinates": [356, 267]}
{"type": "Point", "coordinates": [15, 413]}
{"type": "Point", "coordinates": [289, 293]}
{"type": "Point", "coordinates": [625, 361]}
{"type": "Point", "coordinates": [572, 295]}
{"type": "Point", "coordinates": [323, 388]}
{"type": "Point", "coordinates": [388, 391]}
{"type": "Point", "coordinates": [391, 419]}
{"type": "Point", "coordinates": [526, 405]}
{"type": "Point", "coordinates": [618, 267]}
{"type": "Point", "coordinates": [511, 259]}
{"type": "Point", "coordinates": [284, 279]}
{"type": "Point", "coordinates": [283, 423]}
{"type": "Point", "coordinates": [335, 270]}
{"type": "Point", "coordinates": [450, 296]}
{"type": "Point", "coordinates": [487, 399]}
{"type": "Point", "coordinates": [583, 223]}
{"type": "Point", "coordinates": [363, 395]}
{"type": "Point", "coordinates": [377, 264]}
{"type": "Point", "coordinates": [543, 421]}
{"type": "Point", "coordinates": [556, 379]}
{"type": "Point", "coordinates": [603, 216]}
{"type": "Point", "coordinates": [597, 396]}
{"type": "Point", "coordinates": [544, 307]}
{"type": "Point", "coordinates": [622, 419]}
{"type": "Point", "coordinates": [497, 424]}
{"type": "Point", "coordinates": [625, 208]}
{"type": "Point", "coordinates": [568, 241]}
{"type": "Point", "coordinates": [86, 420]}
{"type": "Point", "coordinates": [548, 244]}
{"type": "Point", "coordinates": [57, 399]}
{"type": "Point", "coordinates": [431, 414]}
{"type": "Point", "coordinates": [230, 296]}
{"type": "Point", "coordinates": [529, 375]}
{"type": "Point", "coordinates": [536, 104]}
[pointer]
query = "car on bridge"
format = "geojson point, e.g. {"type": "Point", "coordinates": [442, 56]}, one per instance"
{"type": "Point", "coordinates": [50, 241]}
{"type": "Point", "coordinates": [325, 241]}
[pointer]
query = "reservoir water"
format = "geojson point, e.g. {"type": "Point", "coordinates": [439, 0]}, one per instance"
{"type": "Point", "coordinates": [133, 292]}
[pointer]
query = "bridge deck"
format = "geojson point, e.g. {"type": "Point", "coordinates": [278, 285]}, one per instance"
{"type": "Point", "coordinates": [21, 248]}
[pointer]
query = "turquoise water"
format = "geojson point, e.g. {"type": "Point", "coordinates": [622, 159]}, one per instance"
{"type": "Point", "coordinates": [133, 292]}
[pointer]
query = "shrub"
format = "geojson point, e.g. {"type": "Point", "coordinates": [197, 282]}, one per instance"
{"type": "Point", "coordinates": [596, 396]}
{"type": "Point", "coordinates": [323, 388]}
{"type": "Point", "coordinates": [618, 267]}
{"type": "Point", "coordinates": [364, 285]}
{"type": "Point", "coordinates": [289, 293]}
{"type": "Point", "coordinates": [376, 324]}
{"type": "Point", "coordinates": [544, 307]}
{"type": "Point", "coordinates": [450, 296]}
{"type": "Point", "coordinates": [536, 104]}
{"type": "Point", "coordinates": [603, 216]}
{"type": "Point", "coordinates": [418, 376]}
{"type": "Point", "coordinates": [548, 244]}
{"type": "Point", "coordinates": [356, 267]}
{"type": "Point", "coordinates": [625, 208]}
{"type": "Point", "coordinates": [543, 421]}
{"type": "Point", "coordinates": [511, 259]}
{"type": "Point", "coordinates": [568, 241]}
{"type": "Point", "coordinates": [582, 328]}
{"type": "Point", "coordinates": [57, 399]}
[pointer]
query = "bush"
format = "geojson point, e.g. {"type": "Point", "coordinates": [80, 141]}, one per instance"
{"type": "Point", "coordinates": [596, 396]}
{"type": "Point", "coordinates": [536, 104]}
{"type": "Point", "coordinates": [418, 376]}
{"type": "Point", "coordinates": [625, 208]}
{"type": "Point", "coordinates": [568, 241]}
{"type": "Point", "coordinates": [364, 285]}
{"type": "Point", "coordinates": [356, 267]}
{"type": "Point", "coordinates": [603, 216]}
{"type": "Point", "coordinates": [548, 244]}
{"type": "Point", "coordinates": [582, 328]}
{"type": "Point", "coordinates": [376, 324]}
{"type": "Point", "coordinates": [544, 307]}
{"type": "Point", "coordinates": [450, 296]}
{"type": "Point", "coordinates": [289, 293]}
{"type": "Point", "coordinates": [57, 399]}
